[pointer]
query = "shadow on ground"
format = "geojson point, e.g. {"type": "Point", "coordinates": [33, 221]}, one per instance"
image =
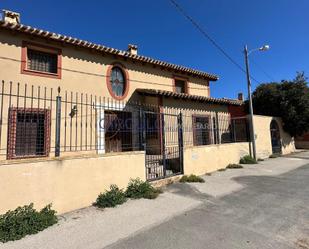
{"type": "Point", "coordinates": [269, 212]}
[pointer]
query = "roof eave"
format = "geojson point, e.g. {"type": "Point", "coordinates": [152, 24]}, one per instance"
{"type": "Point", "coordinates": [169, 94]}
{"type": "Point", "coordinates": [101, 48]}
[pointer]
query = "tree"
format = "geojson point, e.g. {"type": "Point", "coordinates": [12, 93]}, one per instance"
{"type": "Point", "coordinates": [288, 99]}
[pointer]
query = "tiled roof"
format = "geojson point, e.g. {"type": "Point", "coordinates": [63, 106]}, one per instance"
{"type": "Point", "coordinates": [153, 92]}
{"type": "Point", "coordinates": [103, 49]}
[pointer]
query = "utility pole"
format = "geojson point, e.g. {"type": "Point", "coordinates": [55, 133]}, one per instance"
{"type": "Point", "coordinates": [252, 133]}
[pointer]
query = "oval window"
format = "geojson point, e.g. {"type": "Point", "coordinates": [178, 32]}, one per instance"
{"type": "Point", "coordinates": [117, 81]}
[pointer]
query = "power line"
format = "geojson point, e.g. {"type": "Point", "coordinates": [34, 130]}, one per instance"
{"type": "Point", "coordinates": [262, 70]}
{"type": "Point", "coordinates": [104, 76]}
{"type": "Point", "coordinates": [205, 34]}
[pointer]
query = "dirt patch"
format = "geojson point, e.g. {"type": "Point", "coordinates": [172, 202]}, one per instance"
{"type": "Point", "coordinates": [302, 243]}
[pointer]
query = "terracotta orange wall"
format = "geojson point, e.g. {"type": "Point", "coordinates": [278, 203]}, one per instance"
{"type": "Point", "coordinates": [237, 111]}
{"type": "Point", "coordinates": [302, 142]}
{"type": "Point", "coordinates": [304, 137]}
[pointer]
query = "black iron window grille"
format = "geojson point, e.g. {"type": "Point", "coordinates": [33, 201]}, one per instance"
{"type": "Point", "coordinates": [28, 133]}
{"type": "Point", "coordinates": [42, 61]}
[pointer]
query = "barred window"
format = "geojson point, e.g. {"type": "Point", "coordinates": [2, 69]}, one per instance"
{"type": "Point", "coordinates": [42, 61]}
{"type": "Point", "coordinates": [201, 130]}
{"type": "Point", "coordinates": [28, 132]}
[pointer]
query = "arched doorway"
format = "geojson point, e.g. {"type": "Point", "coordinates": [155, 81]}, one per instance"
{"type": "Point", "coordinates": [275, 137]}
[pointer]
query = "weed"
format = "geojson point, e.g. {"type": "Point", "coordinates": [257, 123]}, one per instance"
{"type": "Point", "coordinates": [191, 178]}
{"type": "Point", "coordinates": [111, 198]}
{"type": "Point", "coordinates": [139, 189]}
{"type": "Point", "coordinates": [247, 160]}
{"type": "Point", "coordinates": [25, 220]}
{"type": "Point", "coordinates": [234, 166]}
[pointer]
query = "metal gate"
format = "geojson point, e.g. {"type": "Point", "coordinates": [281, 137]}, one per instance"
{"type": "Point", "coordinates": [163, 143]}
{"type": "Point", "coordinates": [275, 137]}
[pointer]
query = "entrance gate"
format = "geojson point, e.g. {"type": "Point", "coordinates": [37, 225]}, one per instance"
{"type": "Point", "coordinates": [163, 143]}
{"type": "Point", "coordinates": [275, 137]}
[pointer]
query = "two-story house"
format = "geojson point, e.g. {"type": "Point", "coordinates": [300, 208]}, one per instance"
{"type": "Point", "coordinates": [62, 96]}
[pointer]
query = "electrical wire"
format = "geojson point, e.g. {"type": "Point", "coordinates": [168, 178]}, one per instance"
{"type": "Point", "coordinates": [262, 70]}
{"type": "Point", "coordinates": [207, 36]}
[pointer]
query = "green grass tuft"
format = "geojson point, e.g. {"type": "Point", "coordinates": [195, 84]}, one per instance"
{"type": "Point", "coordinates": [247, 160]}
{"type": "Point", "coordinates": [234, 166]}
{"type": "Point", "coordinates": [273, 156]}
{"type": "Point", "coordinates": [191, 178]}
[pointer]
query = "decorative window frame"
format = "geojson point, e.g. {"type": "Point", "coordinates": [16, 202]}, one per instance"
{"type": "Point", "coordinates": [194, 128]}
{"type": "Point", "coordinates": [127, 81]}
{"type": "Point", "coordinates": [12, 132]}
{"type": "Point", "coordinates": [42, 48]}
{"type": "Point", "coordinates": [186, 81]}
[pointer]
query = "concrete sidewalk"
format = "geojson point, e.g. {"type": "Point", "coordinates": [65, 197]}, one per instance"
{"type": "Point", "coordinates": [91, 228]}
{"type": "Point", "coordinates": [222, 183]}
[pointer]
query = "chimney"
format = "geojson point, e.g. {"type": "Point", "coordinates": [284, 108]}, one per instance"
{"type": "Point", "coordinates": [10, 17]}
{"type": "Point", "coordinates": [241, 96]}
{"type": "Point", "coordinates": [132, 49]}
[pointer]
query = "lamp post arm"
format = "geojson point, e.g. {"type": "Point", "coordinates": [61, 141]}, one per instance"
{"type": "Point", "coordinates": [252, 50]}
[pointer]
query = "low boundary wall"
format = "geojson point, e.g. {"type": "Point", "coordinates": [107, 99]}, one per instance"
{"type": "Point", "coordinates": [67, 183]}
{"type": "Point", "coordinates": [203, 159]}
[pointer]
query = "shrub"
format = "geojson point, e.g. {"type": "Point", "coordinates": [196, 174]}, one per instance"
{"type": "Point", "coordinates": [25, 220]}
{"type": "Point", "coordinates": [111, 198]}
{"type": "Point", "coordinates": [191, 178]}
{"type": "Point", "coordinates": [247, 160]}
{"type": "Point", "coordinates": [273, 156]}
{"type": "Point", "coordinates": [139, 189]}
{"type": "Point", "coordinates": [234, 166]}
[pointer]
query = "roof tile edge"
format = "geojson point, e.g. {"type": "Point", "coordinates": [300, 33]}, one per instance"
{"type": "Point", "coordinates": [101, 48]}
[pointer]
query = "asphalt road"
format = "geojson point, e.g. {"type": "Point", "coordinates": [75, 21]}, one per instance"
{"type": "Point", "coordinates": [269, 212]}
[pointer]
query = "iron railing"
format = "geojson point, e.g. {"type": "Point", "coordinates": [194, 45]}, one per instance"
{"type": "Point", "coordinates": [37, 121]}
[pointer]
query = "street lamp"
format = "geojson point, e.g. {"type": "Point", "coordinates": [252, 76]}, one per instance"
{"type": "Point", "coordinates": [247, 53]}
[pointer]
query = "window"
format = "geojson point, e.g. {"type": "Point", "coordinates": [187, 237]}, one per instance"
{"type": "Point", "coordinates": [28, 133]}
{"type": "Point", "coordinates": [201, 133]}
{"type": "Point", "coordinates": [41, 60]}
{"type": "Point", "coordinates": [118, 131]}
{"type": "Point", "coordinates": [117, 81]}
{"type": "Point", "coordinates": [180, 86]}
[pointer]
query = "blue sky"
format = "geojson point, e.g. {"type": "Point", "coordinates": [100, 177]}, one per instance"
{"type": "Point", "coordinates": [161, 32]}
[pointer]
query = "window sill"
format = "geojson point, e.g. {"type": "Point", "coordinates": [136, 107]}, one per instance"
{"type": "Point", "coordinates": [27, 157]}
{"type": "Point", "coordinates": [41, 74]}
